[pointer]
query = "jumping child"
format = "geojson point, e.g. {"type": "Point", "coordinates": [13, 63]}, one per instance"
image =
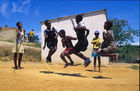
{"type": "Point", "coordinates": [18, 49]}
{"type": "Point", "coordinates": [82, 43]}
{"type": "Point", "coordinates": [96, 46]}
{"type": "Point", "coordinates": [50, 35]}
{"type": "Point", "coordinates": [66, 42]}
{"type": "Point", "coordinates": [108, 45]}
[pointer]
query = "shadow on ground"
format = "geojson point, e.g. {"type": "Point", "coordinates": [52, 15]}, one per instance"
{"type": "Point", "coordinates": [63, 74]}
{"type": "Point", "coordinates": [101, 77]}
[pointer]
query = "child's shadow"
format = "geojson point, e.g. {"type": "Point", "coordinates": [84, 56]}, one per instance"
{"type": "Point", "coordinates": [63, 74]}
{"type": "Point", "coordinates": [101, 77]}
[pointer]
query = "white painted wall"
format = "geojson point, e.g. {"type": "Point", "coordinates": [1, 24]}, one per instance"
{"type": "Point", "coordinates": [93, 21]}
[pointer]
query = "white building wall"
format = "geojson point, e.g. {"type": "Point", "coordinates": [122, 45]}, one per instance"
{"type": "Point", "coordinates": [93, 21]}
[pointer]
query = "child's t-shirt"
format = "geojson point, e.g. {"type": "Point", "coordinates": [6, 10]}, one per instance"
{"type": "Point", "coordinates": [80, 34]}
{"type": "Point", "coordinates": [50, 34]}
{"type": "Point", "coordinates": [96, 43]}
{"type": "Point", "coordinates": [31, 33]}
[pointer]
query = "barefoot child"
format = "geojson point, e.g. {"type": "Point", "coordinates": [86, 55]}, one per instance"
{"type": "Point", "coordinates": [96, 46]}
{"type": "Point", "coordinates": [66, 42]}
{"type": "Point", "coordinates": [82, 43]}
{"type": "Point", "coordinates": [18, 49]}
{"type": "Point", "coordinates": [50, 35]}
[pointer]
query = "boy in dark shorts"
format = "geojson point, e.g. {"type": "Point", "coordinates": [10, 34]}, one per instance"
{"type": "Point", "coordinates": [66, 42]}
{"type": "Point", "coordinates": [82, 43]}
{"type": "Point", "coordinates": [50, 35]}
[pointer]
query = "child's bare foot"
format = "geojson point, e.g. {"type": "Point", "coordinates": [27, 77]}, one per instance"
{"type": "Point", "coordinates": [66, 65]}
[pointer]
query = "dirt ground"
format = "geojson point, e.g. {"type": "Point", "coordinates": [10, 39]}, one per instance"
{"type": "Point", "coordinates": [41, 77]}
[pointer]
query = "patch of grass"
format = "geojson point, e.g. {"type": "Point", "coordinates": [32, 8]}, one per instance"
{"type": "Point", "coordinates": [37, 45]}
{"type": "Point", "coordinates": [31, 54]}
{"type": "Point", "coordinates": [135, 67]}
{"type": "Point", "coordinates": [4, 60]}
{"type": "Point", "coordinates": [11, 41]}
{"type": "Point", "coordinates": [7, 40]}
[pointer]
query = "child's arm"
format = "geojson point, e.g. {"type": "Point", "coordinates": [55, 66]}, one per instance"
{"type": "Point", "coordinates": [72, 38]}
{"type": "Point", "coordinates": [45, 42]}
{"type": "Point", "coordinates": [93, 41]}
{"type": "Point", "coordinates": [63, 43]}
{"type": "Point", "coordinates": [87, 32]}
{"type": "Point", "coordinates": [56, 32]}
{"type": "Point", "coordinates": [99, 41]}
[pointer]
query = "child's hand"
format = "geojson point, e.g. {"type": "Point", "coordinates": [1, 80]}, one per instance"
{"type": "Point", "coordinates": [18, 34]}
{"type": "Point", "coordinates": [55, 37]}
{"type": "Point", "coordinates": [98, 50]}
{"type": "Point", "coordinates": [103, 32]}
{"type": "Point", "coordinates": [43, 47]}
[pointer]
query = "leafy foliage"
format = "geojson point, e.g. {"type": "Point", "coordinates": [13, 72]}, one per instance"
{"type": "Point", "coordinates": [129, 54]}
{"type": "Point", "coordinates": [123, 32]}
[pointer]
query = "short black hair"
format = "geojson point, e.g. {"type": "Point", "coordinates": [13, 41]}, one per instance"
{"type": "Point", "coordinates": [47, 22]}
{"type": "Point", "coordinates": [79, 17]}
{"type": "Point", "coordinates": [18, 23]}
{"type": "Point", "coordinates": [62, 31]}
{"type": "Point", "coordinates": [109, 24]}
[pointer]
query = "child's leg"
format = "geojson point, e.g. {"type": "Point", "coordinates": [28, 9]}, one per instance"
{"type": "Point", "coordinates": [15, 60]}
{"type": "Point", "coordinates": [95, 63]}
{"type": "Point", "coordinates": [63, 57]}
{"type": "Point", "coordinates": [19, 60]}
{"type": "Point", "coordinates": [87, 60]}
{"type": "Point", "coordinates": [81, 56]}
{"type": "Point", "coordinates": [51, 52]}
{"type": "Point", "coordinates": [99, 63]}
{"type": "Point", "coordinates": [67, 53]}
{"type": "Point", "coordinates": [72, 63]}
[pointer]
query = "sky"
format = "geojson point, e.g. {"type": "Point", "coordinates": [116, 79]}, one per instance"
{"type": "Point", "coordinates": [32, 12]}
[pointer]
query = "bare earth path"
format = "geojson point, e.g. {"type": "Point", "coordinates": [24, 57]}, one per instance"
{"type": "Point", "coordinates": [40, 77]}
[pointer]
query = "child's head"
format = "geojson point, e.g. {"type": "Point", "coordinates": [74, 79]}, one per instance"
{"type": "Point", "coordinates": [19, 24]}
{"type": "Point", "coordinates": [108, 25]}
{"type": "Point", "coordinates": [96, 33]}
{"type": "Point", "coordinates": [62, 33]}
{"type": "Point", "coordinates": [47, 23]}
{"type": "Point", "coordinates": [79, 18]}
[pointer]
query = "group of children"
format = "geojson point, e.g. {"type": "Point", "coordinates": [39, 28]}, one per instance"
{"type": "Point", "coordinates": [99, 47]}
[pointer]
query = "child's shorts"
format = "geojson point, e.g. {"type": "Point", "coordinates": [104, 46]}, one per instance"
{"type": "Point", "coordinates": [94, 53]}
{"type": "Point", "coordinates": [68, 50]}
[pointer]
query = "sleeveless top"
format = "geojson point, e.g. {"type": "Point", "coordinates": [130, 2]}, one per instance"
{"type": "Point", "coordinates": [50, 34]}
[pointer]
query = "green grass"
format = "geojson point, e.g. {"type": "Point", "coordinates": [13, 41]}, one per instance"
{"type": "Point", "coordinates": [135, 67]}
{"type": "Point", "coordinates": [6, 40]}
{"type": "Point", "coordinates": [37, 45]}
{"type": "Point", "coordinates": [4, 60]}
